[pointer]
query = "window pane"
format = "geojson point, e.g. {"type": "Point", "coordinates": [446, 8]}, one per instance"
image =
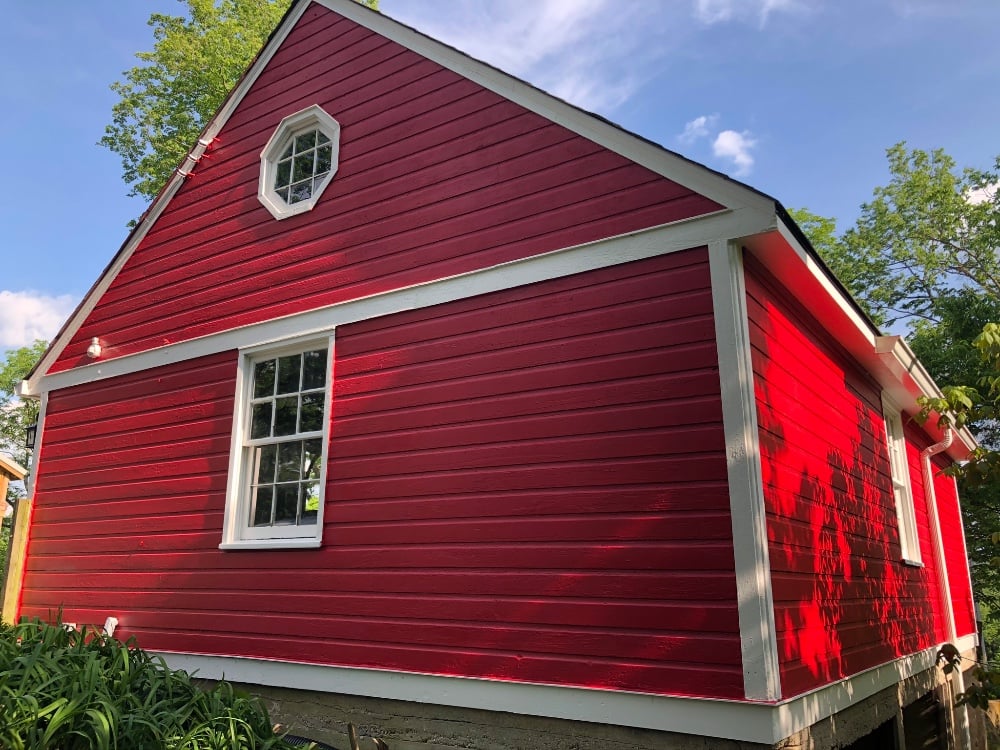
{"type": "Point", "coordinates": [320, 138]}
{"type": "Point", "coordinates": [300, 191]}
{"type": "Point", "coordinates": [305, 142]}
{"type": "Point", "coordinates": [310, 503]}
{"type": "Point", "coordinates": [286, 503]}
{"type": "Point", "coordinates": [285, 413]}
{"type": "Point", "coordinates": [324, 158]}
{"type": "Point", "coordinates": [314, 369]}
{"type": "Point", "coordinates": [263, 379]}
{"type": "Point", "coordinates": [283, 194]}
{"type": "Point", "coordinates": [312, 458]}
{"type": "Point", "coordinates": [283, 176]}
{"type": "Point", "coordinates": [311, 417]}
{"type": "Point", "coordinates": [260, 423]}
{"type": "Point", "coordinates": [288, 150]}
{"type": "Point", "coordinates": [288, 373]}
{"type": "Point", "coordinates": [265, 461]}
{"type": "Point", "coordinates": [289, 461]}
{"type": "Point", "coordinates": [261, 513]}
{"type": "Point", "coordinates": [303, 166]}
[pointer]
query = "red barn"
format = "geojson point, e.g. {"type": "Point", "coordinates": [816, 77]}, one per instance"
{"type": "Point", "coordinates": [421, 388]}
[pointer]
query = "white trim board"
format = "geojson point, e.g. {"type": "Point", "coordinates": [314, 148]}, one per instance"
{"type": "Point", "coordinates": [758, 637]}
{"type": "Point", "coordinates": [766, 723]}
{"type": "Point", "coordinates": [702, 180]}
{"type": "Point", "coordinates": [648, 243]}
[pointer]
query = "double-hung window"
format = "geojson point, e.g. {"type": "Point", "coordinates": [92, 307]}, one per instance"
{"type": "Point", "coordinates": [277, 472]}
{"type": "Point", "coordinates": [901, 490]}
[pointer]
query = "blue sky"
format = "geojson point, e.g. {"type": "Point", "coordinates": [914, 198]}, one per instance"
{"type": "Point", "coordinates": [798, 98]}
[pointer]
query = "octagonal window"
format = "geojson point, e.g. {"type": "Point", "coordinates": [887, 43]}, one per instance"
{"type": "Point", "coordinates": [298, 162]}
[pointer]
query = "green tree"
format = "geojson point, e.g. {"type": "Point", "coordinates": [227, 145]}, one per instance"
{"type": "Point", "coordinates": [930, 231]}
{"type": "Point", "coordinates": [167, 100]}
{"type": "Point", "coordinates": [16, 413]}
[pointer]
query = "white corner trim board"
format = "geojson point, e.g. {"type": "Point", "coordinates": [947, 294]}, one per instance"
{"type": "Point", "coordinates": [648, 243]}
{"type": "Point", "coordinates": [765, 723]}
{"type": "Point", "coordinates": [746, 488]}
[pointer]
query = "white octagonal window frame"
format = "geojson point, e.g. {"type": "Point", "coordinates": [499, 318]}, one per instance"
{"type": "Point", "coordinates": [313, 118]}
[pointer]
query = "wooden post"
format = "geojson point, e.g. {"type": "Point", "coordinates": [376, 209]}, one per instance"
{"type": "Point", "coordinates": [14, 567]}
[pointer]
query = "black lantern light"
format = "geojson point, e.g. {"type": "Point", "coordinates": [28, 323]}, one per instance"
{"type": "Point", "coordinates": [29, 436]}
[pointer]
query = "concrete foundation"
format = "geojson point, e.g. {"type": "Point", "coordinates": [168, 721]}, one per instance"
{"type": "Point", "coordinates": [882, 720]}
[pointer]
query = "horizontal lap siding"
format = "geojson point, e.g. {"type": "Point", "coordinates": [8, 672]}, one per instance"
{"type": "Point", "coordinates": [556, 446]}
{"type": "Point", "coordinates": [528, 485]}
{"type": "Point", "coordinates": [844, 601]}
{"type": "Point", "coordinates": [437, 177]}
{"type": "Point", "coordinates": [956, 556]}
{"type": "Point", "coordinates": [131, 468]}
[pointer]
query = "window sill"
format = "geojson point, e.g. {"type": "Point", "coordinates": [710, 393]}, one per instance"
{"type": "Point", "coordinates": [912, 563]}
{"type": "Point", "coordinates": [311, 543]}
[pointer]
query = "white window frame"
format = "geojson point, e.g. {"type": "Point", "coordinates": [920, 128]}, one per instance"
{"type": "Point", "coordinates": [310, 118]}
{"type": "Point", "coordinates": [237, 533]}
{"type": "Point", "coordinates": [902, 491]}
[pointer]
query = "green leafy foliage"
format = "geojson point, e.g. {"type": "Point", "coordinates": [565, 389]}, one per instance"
{"type": "Point", "coordinates": [166, 102]}
{"type": "Point", "coordinates": [63, 689]}
{"type": "Point", "coordinates": [15, 413]}
{"type": "Point", "coordinates": [930, 231]}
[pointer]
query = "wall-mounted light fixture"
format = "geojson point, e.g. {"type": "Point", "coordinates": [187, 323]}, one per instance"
{"type": "Point", "coordinates": [30, 432]}
{"type": "Point", "coordinates": [94, 350]}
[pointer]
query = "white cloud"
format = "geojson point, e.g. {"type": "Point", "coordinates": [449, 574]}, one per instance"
{"type": "Point", "coordinates": [736, 147]}
{"type": "Point", "coordinates": [27, 315]}
{"type": "Point", "coordinates": [697, 128]}
{"type": "Point", "coordinates": [593, 53]}
{"type": "Point", "coordinates": [720, 11]}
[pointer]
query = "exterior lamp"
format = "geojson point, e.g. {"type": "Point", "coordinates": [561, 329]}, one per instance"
{"type": "Point", "coordinates": [29, 436]}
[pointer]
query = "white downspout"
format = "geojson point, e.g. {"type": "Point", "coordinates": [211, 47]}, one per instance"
{"type": "Point", "coordinates": [958, 681]}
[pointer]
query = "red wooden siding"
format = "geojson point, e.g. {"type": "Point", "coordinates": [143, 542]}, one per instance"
{"type": "Point", "coordinates": [843, 599]}
{"type": "Point", "coordinates": [529, 485]}
{"type": "Point", "coordinates": [437, 177]}
{"type": "Point", "coordinates": [956, 555]}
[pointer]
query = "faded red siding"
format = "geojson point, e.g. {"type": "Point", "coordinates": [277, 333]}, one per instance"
{"type": "Point", "coordinates": [843, 599]}
{"type": "Point", "coordinates": [529, 485]}
{"type": "Point", "coordinates": [956, 556]}
{"type": "Point", "coordinates": [437, 176]}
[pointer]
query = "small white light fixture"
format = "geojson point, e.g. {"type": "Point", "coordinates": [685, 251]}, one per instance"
{"type": "Point", "coordinates": [94, 350]}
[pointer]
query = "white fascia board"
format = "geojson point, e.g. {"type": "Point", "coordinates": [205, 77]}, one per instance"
{"type": "Point", "coordinates": [159, 204]}
{"type": "Point", "coordinates": [690, 174]}
{"type": "Point", "coordinates": [914, 380]}
{"type": "Point", "coordinates": [765, 723]}
{"type": "Point", "coordinates": [647, 243]}
{"type": "Point", "coordinates": [758, 637]}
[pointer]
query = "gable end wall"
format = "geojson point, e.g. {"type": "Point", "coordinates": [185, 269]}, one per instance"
{"type": "Point", "coordinates": [437, 177]}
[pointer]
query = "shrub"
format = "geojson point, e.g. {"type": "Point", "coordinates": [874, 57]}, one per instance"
{"type": "Point", "coordinates": [63, 689]}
